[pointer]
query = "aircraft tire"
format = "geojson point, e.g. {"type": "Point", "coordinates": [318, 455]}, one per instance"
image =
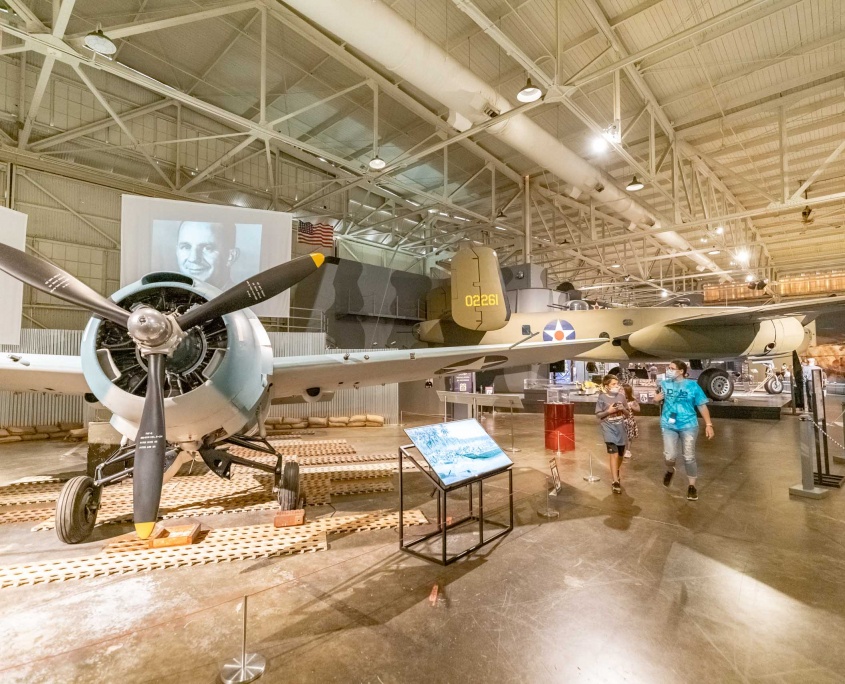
{"type": "Point", "coordinates": [76, 510]}
{"type": "Point", "coordinates": [289, 487]}
{"type": "Point", "coordinates": [774, 385]}
{"type": "Point", "coordinates": [717, 384]}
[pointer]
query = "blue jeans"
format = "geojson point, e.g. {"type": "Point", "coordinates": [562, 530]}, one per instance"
{"type": "Point", "coordinates": [681, 442]}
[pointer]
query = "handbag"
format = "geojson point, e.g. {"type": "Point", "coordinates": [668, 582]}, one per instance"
{"type": "Point", "coordinates": [631, 427]}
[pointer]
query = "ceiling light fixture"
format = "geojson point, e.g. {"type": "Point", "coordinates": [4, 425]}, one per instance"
{"type": "Point", "coordinates": [749, 278]}
{"type": "Point", "coordinates": [599, 145]}
{"type": "Point", "coordinates": [664, 294]}
{"type": "Point", "coordinates": [714, 252]}
{"type": "Point", "coordinates": [99, 42]}
{"type": "Point", "coordinates": [377, 163]}
{"type": "Point", "coordinates": [720, 230]}
{"type": "Point", "coordinates": [615, 266]}
{"type": "Point", "coordinates": [529, 92]}
{"type": "Point", "coordinates": [634, 185]}
{"type": "Point", "coordinates": [742, 256]}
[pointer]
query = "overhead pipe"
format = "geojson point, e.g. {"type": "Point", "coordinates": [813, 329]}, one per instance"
{"type": "Point", "coordinates": [526, 218]}
{"type": "Point", "coordinates": [374, 29]}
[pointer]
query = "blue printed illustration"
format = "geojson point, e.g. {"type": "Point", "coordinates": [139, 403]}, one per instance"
{"type": "Point", "coordinates": [458, 451]}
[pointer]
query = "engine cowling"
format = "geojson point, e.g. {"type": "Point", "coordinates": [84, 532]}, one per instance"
{"type": "Point", "coordinates": [215, 382]}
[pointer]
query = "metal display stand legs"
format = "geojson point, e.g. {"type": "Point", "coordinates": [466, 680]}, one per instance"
{"type": "Point", "coordinates": [443, 522]}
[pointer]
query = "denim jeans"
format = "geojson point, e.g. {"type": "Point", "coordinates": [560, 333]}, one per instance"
{"type": "Point", "coordinates": [681, 442]}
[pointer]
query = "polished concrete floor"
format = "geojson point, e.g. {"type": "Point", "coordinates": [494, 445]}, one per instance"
{"type": "Point", "coordinates": [744, 585]}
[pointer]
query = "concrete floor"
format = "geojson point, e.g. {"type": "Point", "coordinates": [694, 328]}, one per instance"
{"type": "Point", "coordinates": [744, 585]}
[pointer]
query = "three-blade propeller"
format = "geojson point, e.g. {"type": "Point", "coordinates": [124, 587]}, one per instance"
{"type": "Point", "coordinates": [151, 441]}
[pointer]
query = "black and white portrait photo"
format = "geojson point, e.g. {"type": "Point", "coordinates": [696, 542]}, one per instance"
{"type": "Point", "coordinates": [214, 252]}
{"type": "Point", "coordinates": [218, 245]}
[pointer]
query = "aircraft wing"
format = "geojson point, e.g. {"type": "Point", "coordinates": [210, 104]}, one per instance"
{"type": "Point", "coordinates": [807, 309]}
{"type": "Point", "coordinates": [22, 372]}
{"type": "Point", "coordinates": [293, 375]}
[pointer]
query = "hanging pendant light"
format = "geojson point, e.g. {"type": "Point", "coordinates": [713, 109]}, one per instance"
{"type": "Point", "coordinates": [529, 92]}
{"type": "Point", "coordinates": [634, 185]}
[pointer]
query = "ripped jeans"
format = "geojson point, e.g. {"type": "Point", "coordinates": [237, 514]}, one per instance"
{"type": "Point", "coordinates": [681, 442]}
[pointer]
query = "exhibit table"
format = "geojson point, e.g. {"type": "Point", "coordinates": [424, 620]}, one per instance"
{"type": "Point", "coordinates": [475, 401]}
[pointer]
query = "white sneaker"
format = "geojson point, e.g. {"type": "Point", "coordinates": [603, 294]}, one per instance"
{"type": "Point", "coordinates": [628, 454]}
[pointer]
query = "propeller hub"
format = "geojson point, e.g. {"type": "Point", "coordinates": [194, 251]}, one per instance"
{"type": "Point", "coordinates": [149, 327]}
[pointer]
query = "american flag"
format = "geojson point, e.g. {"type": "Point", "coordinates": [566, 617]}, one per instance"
{"type": "Point", "coordinates": [321, 234]}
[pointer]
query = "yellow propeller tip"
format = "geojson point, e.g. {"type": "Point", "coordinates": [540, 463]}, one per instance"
{"type": "Point", "coordinates": [144, 530]}
{"type": "Point", "coordinates": [318, 259]}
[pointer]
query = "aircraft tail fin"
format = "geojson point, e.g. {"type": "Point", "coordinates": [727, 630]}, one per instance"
{"type": "Point", "coordinates": [478, 300]}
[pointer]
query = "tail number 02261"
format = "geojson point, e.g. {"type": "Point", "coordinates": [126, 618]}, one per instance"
{"type": "Point", "coordinates": [482, 300]}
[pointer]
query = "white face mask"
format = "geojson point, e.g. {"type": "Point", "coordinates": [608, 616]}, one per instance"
{"type": "Point", "coordinates": [671, 373]}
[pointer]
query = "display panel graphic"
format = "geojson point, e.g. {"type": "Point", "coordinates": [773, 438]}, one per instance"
{"type": "Point", "coordinates": [220, 245]}
{"type": "Point", "coordinates": [458, 451]}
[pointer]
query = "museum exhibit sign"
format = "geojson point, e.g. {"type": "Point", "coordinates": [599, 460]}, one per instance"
{"type": "Point", "coordinates": [458, 454]}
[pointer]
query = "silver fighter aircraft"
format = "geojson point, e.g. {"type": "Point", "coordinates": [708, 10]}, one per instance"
{"type": "Point", "coordinates": [187, 370]}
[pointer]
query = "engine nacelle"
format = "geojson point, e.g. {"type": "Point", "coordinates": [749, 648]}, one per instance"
{"type": "Point", "coordinates": [215, 382]}
{"type": "Point", "coordinates": [766, 338]}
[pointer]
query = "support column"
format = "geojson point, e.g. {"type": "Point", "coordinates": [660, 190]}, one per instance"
{"type": "Point", "coordinates": [526, 218]}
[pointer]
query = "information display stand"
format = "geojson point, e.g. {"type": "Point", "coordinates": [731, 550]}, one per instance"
{"type": "Point", "coordinates": [458, 454]}
{"type": "Point", "coordinates": [444, 524]}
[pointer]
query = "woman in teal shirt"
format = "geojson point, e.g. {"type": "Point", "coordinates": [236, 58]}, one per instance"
{"type": "Point", "coordinates": [679, 422]}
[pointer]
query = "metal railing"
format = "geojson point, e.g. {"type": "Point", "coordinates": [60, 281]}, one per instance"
{"type": "Point", "coordinates": [300, 320]}
{"type": "Point", "coordinates": [375, 305]}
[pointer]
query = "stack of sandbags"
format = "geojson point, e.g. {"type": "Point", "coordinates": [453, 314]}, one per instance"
{"type": "Point", "coordinates": [295, 423]}
{"type": "Point", "coordinates": [357, 421]}
{"type": "Point", "coordinates": [374, 421]}
{"type": "Point", "coordinates": [316, 422]}
{"type": "Point", "coordinates": [338, 421]}
{"type": "Point", "coordinates": [33, 433]}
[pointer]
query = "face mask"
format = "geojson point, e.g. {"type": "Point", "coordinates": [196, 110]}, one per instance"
{"type": "Point", "coordinates": [671, 374]}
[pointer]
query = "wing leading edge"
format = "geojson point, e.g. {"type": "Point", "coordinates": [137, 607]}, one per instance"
{"type": "Point", "coordinates": [21, 372]}
{"type": "Point", "coordinates": [807, 309]}
{"type": "Point", "coordinates": [293, 375]}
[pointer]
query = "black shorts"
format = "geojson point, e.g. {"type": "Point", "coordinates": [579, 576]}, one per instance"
{"type": "Point", "coordinates": [616, 448]}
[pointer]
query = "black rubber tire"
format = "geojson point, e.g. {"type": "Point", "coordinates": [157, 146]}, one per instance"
{"type": "Point", "coordinates": [76, 510]}
{"type": "Point", "coordinates": [717, 384]}
{"type": "Point", "coordinates": [289, 487]}
{"type": "Point", "coordinates": [774, 385]}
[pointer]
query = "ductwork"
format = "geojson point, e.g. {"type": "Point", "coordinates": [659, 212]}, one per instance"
{"type": "Point", "coordinates": [374, 29]}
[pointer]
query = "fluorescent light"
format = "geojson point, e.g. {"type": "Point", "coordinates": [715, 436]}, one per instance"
{"type": "Point", "coordinates": [500, 228]}
{"type": "Point", "coordinates": [713, 252]}
{"type": "Point", "coordinates": [615, 266]}
{"type": "Point", "coordinates": [529, 92]}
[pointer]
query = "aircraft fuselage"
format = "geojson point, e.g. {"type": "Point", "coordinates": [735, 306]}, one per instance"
{"type": "Point", "coordinates": [636, 334]}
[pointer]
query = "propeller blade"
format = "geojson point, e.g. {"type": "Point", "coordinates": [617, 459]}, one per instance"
{"type": "Point", "coordinates": [150, 448]}
{"type": "Point", "coordinates": [254, 290]}
{"type": "Point", "coordinates": [49, 278]}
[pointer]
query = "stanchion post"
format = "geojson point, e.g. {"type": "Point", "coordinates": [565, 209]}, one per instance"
{"type": "Point", "coordinates": [513, 448]}
{"type": "Point", "coordinates": [244, 668]}
{"type": "Point", "coordinates": [591, 478]}
{"type": "Point", "coordinates": [807, 435]}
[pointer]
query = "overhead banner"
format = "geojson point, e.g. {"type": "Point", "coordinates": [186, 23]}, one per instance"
{"type": "Point", "coordinates": [12, 233]}
{"type": "Point", "coordinates": [220, 245]}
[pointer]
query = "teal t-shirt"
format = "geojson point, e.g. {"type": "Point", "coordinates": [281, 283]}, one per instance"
{"type": "Point", "coordinates": [680, 397]}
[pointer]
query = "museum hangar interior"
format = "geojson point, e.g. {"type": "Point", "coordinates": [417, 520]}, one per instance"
{"type": "Point", "coordinates": [311, 304]}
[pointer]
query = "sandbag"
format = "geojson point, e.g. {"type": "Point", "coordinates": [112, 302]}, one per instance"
{"type": "Point", "coordinates": [356, 423]}
{"type": "Point", "coordinates": [358, 419]}
{"type": "Point", "coordinates": [379, 420]}
{"type": "Point", "coordinates": [315, 421]}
